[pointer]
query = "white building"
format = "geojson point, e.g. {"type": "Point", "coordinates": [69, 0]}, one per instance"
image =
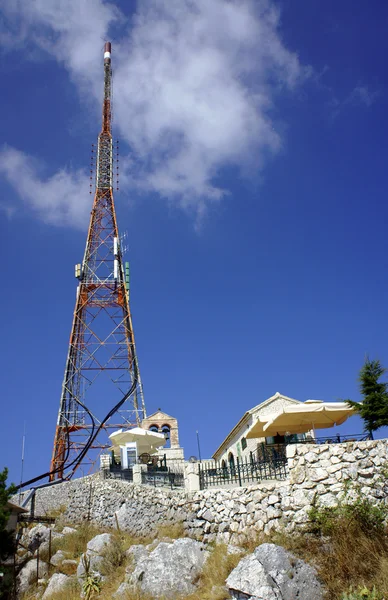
{"type": "Point", "coordinates": [235, 445]}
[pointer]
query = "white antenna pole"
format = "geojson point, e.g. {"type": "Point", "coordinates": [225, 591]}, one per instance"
{"type": "Point", "coordinates": [21, 472]}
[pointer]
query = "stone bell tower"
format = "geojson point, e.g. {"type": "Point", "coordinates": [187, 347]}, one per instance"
{"type": "Point", "coordinates": [161, 422]}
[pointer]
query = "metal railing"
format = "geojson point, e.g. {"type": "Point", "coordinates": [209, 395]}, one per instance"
{"type": "Point", "coordinates": [243, 471]}
{"type": "Point", "coordinates": [269, 453]}
{"type": "Point", "coordinates": [165, 478]}
{"type": "Point", "coordinates": [333, 439]}
{"type": "Point", "coordinates": [116, 472]}
{"type": "Point", "coordinates": [154, 463]}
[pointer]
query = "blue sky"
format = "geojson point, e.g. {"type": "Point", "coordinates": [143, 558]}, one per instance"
{"type": "Point", "coordinates": [253, 190]}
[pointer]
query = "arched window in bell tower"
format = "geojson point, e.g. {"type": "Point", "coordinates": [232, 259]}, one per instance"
{"type": "Point", "coordinates": [167, 434]}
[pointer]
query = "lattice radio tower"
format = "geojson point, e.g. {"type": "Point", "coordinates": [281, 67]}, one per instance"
{"type": "Point", "coordinates": [101, 389]}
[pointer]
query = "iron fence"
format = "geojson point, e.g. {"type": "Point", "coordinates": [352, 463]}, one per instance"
{"type": "Point", "coordinates": [116, 472]}
{"type": "Point", "coordinates": [269, 453]}
{"type": "Point", "coordinates": [165, 478]}
{"type": "Point", "coordinates": [243, 471]}
{"type": "Point", "coordinates": [333, 439]}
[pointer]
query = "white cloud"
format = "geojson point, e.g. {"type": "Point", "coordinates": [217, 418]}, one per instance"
{"type": "Point", "coordinates": [361, 94]}
{"type": "Point", "coordinates": [194, 83]}
{"type": "Point", "coordinates": [61, 199]}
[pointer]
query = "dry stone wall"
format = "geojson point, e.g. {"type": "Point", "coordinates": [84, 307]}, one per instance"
{"type": "Point", "coordinates": [317, 475]}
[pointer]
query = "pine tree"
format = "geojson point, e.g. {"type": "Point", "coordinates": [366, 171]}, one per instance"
{"type": "Point", "coordinates": [374, 407]}
{"type": "Point", "coordinates": [6, 538]}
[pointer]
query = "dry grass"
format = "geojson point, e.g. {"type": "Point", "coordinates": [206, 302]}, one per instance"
{"type": "Point", "coordinates": [72, 592]}
{"type": "Point", "coordinates": [252, 540]}
{"type": "Point", "coordinates": [211, 583]}
{"type": "Point", "coordinates": [347, 557]}
{"type": "Point", "coordinates": [127, 539]}
{"type": "Point", "coordinates": [346, 554]}
{"type": "Point", "coordinates": [67, 569]}
{"type": "Point", "coordinates": [74, 544]}
{"type": "Point", "coordinates": [137, 595]}
{"type": "Point", "coordinates": [174, 531]}
{"type": "Point", "coordinates": [56, 513]}
{"type": "Point", "coordinates": [113, 580]}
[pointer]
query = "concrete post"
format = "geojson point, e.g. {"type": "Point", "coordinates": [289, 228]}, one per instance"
{"type": "Point", "coordinates": [105, 461]}
{"type": "Point", "coordinates": [137, 471]}
{"type": "Point", "coordinates": [192, 477]}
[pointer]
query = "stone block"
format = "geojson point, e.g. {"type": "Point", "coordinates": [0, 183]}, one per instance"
{"type": "Point", "coordinates": [334, 468]}
{"type": "Point", "coordinates": [328, 500]}
{"type": "Point", "coordinates": [297, 475]}
{"type": "Point", "coordinates": [290, 450]}
{"type": "Point", "coordinates": [348, 457]}
{"type": "Point", "coordinates": [311, 457]}
{"type": "Point", "coordinates": [318, 474]}
{"type": "Point", "coordinates": [208, 516]}
{"type": "Point", "coordinates": [272, 499]}
{"type": "Point", "coordinates": [366, 473]}
{"type": "Point", "coordinates": [300, 499]}
{"type": "Point", "coordinates": [273, 513]}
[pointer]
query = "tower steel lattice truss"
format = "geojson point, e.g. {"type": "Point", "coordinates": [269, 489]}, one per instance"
{"type": "Point", "coordinates": [102, 372]}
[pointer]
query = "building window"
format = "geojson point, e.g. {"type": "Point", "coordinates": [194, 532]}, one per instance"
{"type": "Point", "coordinates": [243, 443]}
{"type": "Point", "coordinates": [167, 434]}
{"type": "Point", "coordinates": [131, 457]}
{"type": "Point", "coordinates": [231, 463]}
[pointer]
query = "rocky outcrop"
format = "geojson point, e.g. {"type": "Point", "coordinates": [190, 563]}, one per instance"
{"type": "Point", "coordinates": [38, 535]}
{"type": "Point", "coordinates": [57, 583]}
{"type": "Point", "coordinates": [93, 560]}
{"type": "Point", "coordinates": [99, 543]}
{"type": "Point", "coordinates": [58, 558]}
{"type": "Point", "coordinates": [30, 574]}
{"type": "Point", "coordinates": [172, 569]}
{"type": "Point", "coordinates": [272, 573]}
{"type": "Point", "coordinates": [169, 570]}
{"type": "Point", "coordinates": [68, 530]}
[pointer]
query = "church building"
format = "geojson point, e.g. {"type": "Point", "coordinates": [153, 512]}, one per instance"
{"type": "Point", "coordinates": [236, 445]}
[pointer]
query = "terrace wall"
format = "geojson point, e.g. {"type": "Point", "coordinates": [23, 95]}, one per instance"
{"type": "Point", "coordinates": [317, 474]}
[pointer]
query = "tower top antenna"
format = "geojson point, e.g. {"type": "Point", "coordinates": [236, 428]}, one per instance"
{"type": "Point", "coordinates": [107, 51]}
{"type": "Point", "coordinates": [106, 106]}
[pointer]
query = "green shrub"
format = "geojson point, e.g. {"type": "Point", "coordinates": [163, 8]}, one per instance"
{"type": "Point", "coordinates": [92, 584]}
{"type": "Point", "coordinates": [360, 513]}
{"type": "Point", "coordinates": [113, 556]}
{"type": "Point", "coordinates": [362, 593]}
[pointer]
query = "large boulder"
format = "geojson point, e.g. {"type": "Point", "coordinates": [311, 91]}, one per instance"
{"type": "Point", "coordinates": [169, 570]}
{"type": "Point", "coordinates": [29, 574]}
{"type": "Point", "coordinates": [95, 565]}
{"type": "Point", "coordinates": [94, 555]}
{"type": "Point", "coordinates": [57, 583]}
{"type": "Point", "coordinates": [99, 543]}
{"type": "Point", "coordinates": [68, 530]}
{"type": "Point", "coordinates": [272, 573]}
{"type": "Point", "coordinates": [58, 557]}
{"type": "Point", "coordinates": [136, 552]}
{"type": "Point", "coordinates": [123, 591]}
{"type": "Point", "coordinates": [38, 535]}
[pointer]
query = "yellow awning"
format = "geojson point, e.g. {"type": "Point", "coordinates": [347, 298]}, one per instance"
{"type": "Point", "coordinates": [146, 441]}
{"type": "Point", "coordinates": [307, 416]}
{"type": "Point", "coordinates": [301, 418]}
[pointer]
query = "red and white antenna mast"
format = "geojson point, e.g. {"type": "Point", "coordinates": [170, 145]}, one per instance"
{"type": "Point", "coordinates": [101, 389]}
